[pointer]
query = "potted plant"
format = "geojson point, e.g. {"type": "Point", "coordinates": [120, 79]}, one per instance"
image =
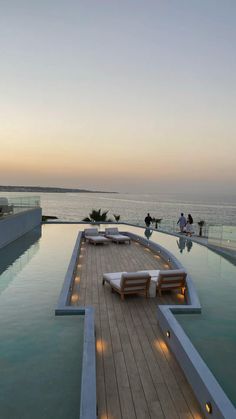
{"type": "Point", "coordinates": [201, 224]}
{"type": "Point", "coordinates": [97, 216]}
{"type": "Point", "coordinates": [117, 217]}
{"type": "Point", "coordinates": [156, 221]}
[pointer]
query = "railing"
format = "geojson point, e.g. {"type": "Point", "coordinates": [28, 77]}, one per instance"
{"type": "Point", "coordinates": [222, 236]}
{"type": "Point", "coordinates": [170, 226]}
{"type": "Point", "coordinates": [15, 205]}
{"type": "Point", "coordinates": [25, 201]}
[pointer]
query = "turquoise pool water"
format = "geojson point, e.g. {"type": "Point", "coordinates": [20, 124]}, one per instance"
{"type": "Point", "coordinates": [40, 354]}
{"type": "Point", "coordinates": [213, 332]}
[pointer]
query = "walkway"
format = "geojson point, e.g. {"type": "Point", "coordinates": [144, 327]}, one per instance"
{"type": "Point", "coordinates": [137, 376]}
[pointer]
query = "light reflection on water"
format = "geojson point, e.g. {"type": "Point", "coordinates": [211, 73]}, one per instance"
{"type": "Point", "coordinates": [40, 354]}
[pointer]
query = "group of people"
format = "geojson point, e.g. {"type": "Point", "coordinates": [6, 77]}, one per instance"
{"type": "Point", "coordinates": [186, 225]}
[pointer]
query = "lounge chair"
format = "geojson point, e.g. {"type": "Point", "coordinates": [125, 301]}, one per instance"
{"type": "Point", "coordinates": [128, 283]}
{"type": "Point", "coordinates": [171, 279]}
{"type": "Point", "coordinates": [93, 236]}
{"type": "Point", "coordinates": [114, 235]}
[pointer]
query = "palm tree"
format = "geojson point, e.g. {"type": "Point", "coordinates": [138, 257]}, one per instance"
{"type": "Point", "coordinates": [97, 216]}
{"type": "Point", "coordinates": [117, 217]}
{"type": "Point", "coordinates": [201, 224]}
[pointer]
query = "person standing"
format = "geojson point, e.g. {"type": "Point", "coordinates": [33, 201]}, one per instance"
{"type": "Point", "coordinates": [182, 222]}
{"type": "Point", "coordinates": [148, 220]}
{"type": "Point", "coordinates": [189, 226]}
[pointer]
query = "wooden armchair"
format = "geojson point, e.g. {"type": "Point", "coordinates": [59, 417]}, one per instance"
{"type": "Point", "coordinates": [132, 283]}
{"type": "Point", "coordinates": [171, 279]}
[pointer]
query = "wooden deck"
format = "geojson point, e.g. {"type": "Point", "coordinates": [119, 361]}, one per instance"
{"type": "Point", "coordinates": [137, 376]}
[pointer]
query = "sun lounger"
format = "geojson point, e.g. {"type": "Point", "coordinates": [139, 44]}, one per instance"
{"type": "Point", "coordinates": [128, 282]}
{"type": "Point", "coordinates": [93, 236]}
{"type": "Point", "coordinates": [114, 235]}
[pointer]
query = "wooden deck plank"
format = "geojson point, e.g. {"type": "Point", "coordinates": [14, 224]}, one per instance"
{"type": "Point", "coordinates": [137, 376]}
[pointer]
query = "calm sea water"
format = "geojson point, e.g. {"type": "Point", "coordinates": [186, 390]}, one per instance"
{"type": "Point", "coordinates": [214, 209]}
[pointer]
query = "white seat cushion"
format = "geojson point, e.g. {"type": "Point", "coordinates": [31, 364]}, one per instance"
{"type": "Point", "coordinates": [118, 237]}
{"type": "Point", "coordinates": [111, 230]}
{"type": "Point", "coordinates": [98, 239]}
{"type": "Point", "coordinates": [112, 276]}
{"type": "Point", "coordinates": [90, 232]}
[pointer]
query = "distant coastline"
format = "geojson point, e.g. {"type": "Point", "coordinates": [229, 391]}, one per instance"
{"type": "Point", "coordinates": [47, 189]}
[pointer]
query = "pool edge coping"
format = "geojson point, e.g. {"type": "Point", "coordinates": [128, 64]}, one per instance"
{"type": "Point", "coordinates": [88, 394]}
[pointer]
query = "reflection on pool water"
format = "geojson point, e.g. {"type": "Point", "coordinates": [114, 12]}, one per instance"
{"type": "Point", "coordinates": [213, 332]}
{"type": "Point", "coordinates": [40, 354]}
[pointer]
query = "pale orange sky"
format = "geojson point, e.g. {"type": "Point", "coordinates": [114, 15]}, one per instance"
{"type": "Point", "coordinates": [101, 98]}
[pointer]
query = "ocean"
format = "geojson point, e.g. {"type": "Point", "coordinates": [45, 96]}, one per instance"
{"type": "Point", "coordinates": [132, 208]}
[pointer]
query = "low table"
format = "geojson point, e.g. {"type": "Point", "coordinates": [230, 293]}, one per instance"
{"type": "Point", "coordinates": [154, 274]}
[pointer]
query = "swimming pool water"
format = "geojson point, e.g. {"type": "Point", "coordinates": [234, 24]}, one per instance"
{"type": "Point", "coordinates": [40, 354]}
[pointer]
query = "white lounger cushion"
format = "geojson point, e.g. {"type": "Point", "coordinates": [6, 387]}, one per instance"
{"type": "Point", "coordinates": [91, 232]}
{"type": "Point", "coordinates": [111, 230]}
{"type": "Point", "coordinates": [118, 237]}
{"type": "Point", "coordinates": [112, 276]}
{"type": "Point", "coordinates": [98, 239]}
{"type": "Point", "coordinates": [93, 236]}
{"type": "Point", "coordinates": [114, 235]}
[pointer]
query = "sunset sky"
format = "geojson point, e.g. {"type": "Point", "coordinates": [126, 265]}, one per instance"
{"type": "Point", "coordinates": [128, 95]}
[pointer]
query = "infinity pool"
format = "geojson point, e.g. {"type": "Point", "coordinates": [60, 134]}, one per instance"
{"type": "Point", "coordinates": [40, 354]}
{"type": "Point", "coordinates": [213, 332]}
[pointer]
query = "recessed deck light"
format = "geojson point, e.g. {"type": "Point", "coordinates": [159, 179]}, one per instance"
{"type": "Point", "coordinates": [74, 298]}
{"type": "Point", "coordinates": [208, 407]}
{"type": "Point", "coordinates": [168, 334]}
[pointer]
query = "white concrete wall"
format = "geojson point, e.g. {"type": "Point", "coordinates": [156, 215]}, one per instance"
{"type": "Point", "coordinates": [14, 226]}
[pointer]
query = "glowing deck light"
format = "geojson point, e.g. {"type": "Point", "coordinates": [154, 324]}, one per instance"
{"type": "Point", "coordinates": [74, 298]}
{"type": "Point", "coordinates": [100, 346]}
{"type": "Point", "coordinates": [208, 407]}
{"type": "Point", "coordinates": [168, 334]}
{"type": "Point", "coordinates": [77, 279]}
